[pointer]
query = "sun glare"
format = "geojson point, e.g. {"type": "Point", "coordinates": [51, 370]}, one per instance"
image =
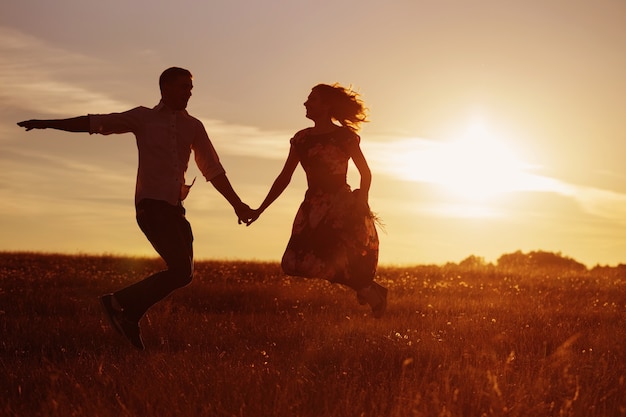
{"type": "Point", "coordinates": [477, 164]}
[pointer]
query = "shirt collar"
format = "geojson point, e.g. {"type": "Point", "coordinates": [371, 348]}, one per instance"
{"type": "Point", "coordinates": [162, 107]}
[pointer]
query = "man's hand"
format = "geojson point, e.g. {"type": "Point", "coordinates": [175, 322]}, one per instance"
{"type": "Point", "coordinates": [32, 124]}
{"type": "Point", "coordinates": [244, 213]}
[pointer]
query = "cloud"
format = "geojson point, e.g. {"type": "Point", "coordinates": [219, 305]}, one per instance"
{"type": "Point", "coordinates": [248, 140]}
{"type": "Point", "coordinates": [38, 182]}
{"type": "Point", "coordinates": [43, 79]}
{"type": "Point", "coordinates": [601, 203]}
{"type": "Point", "coordinates": [450, 167]}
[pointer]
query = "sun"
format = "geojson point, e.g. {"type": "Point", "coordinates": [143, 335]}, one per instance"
{"type": "Point", "coordinates": [478, 164]}
{"type": "Point", "coordinates": [475, 165]}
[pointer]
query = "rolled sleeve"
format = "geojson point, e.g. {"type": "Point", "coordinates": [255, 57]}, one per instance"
{"type": "Point", "coordinates": [206, 157]}
{"type": "Point", "coordinates": [107, 124]}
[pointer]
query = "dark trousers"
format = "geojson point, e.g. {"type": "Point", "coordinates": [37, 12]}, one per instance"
{"type": "Point", "coordinates": [170, 234]}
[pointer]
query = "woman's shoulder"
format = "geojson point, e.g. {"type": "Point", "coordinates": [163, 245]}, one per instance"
{"type": "Point", "coordinates": [304, 132]}
{"type": "Point", "coordinates": [300, 135]}
{"type": "Point", "coordinates": [350, 136]}
{"type": "Point", "coordinates": [343, 134]}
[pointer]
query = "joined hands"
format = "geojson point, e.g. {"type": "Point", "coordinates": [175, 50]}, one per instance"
{"type": "Point", "coordinates": [246, 215]}
{"type": "Point", "coordinates": [255, 215]}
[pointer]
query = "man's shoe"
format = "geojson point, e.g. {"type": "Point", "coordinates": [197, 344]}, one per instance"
{"type": "Point", "coordinates": [124, 326]}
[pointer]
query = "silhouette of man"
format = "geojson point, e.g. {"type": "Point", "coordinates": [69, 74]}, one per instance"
{"type": "Point", "coordinates": [165, 135]}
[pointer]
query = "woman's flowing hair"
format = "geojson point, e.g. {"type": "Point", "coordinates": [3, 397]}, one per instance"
{"type": "Point", "coordinates": [345, 105]}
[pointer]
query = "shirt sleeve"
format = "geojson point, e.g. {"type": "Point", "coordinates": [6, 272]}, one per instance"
{"type": "Point", "coordinates": [205, 155]}
{"type": "Point", "coordinates": [106, 124]}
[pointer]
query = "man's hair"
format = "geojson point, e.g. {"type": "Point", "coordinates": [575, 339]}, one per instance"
{"type": "Point", "coordinates": [172, 74]}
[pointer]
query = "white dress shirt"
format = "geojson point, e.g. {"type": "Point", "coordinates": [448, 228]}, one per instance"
{"type": "Point", "coordinates": [165, 139]}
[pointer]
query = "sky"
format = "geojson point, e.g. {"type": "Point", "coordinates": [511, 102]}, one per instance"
{"type": "Point", "coordinates": [495, 125]}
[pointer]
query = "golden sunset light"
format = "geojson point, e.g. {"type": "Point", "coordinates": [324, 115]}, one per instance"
{"type": "Point", "coordinates": [472, 167]}
{"type": "Point", "coordinates": [493, 126]}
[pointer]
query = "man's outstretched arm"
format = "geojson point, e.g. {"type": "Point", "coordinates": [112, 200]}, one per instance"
{"type": "Point", "coordinates": [73, 124]}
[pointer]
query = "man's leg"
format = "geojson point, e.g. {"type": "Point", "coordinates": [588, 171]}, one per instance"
{"type": "Point", "coordinates": [170, 234]}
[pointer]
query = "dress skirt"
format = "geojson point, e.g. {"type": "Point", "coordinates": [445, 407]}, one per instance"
{"type": "Point", "coordinates": [333, 237]}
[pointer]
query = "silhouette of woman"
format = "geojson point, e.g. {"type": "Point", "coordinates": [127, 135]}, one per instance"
{"type": "Point", "coordinates": [334, 235]}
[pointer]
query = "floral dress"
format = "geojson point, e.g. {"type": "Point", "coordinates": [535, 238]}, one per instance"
{"type": "Point", "coordinates": [333, 236]}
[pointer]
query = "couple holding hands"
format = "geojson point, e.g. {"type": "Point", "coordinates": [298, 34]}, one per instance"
{"type": "Point", "coordinates": [333, 236]}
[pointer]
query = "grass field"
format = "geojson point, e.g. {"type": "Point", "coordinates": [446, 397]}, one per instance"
{"type": "Point", "coordinates": [245, 340]}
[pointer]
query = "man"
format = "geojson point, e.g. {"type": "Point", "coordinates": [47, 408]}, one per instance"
{"type": "Point", "coordinates": [165, 135]}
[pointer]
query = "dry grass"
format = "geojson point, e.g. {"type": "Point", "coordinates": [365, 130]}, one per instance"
{"type": "Point", "coordinates": [245, 340]}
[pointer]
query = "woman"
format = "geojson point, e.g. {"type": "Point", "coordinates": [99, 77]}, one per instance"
{"type": "Point", "coordinates": [333, 235]}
